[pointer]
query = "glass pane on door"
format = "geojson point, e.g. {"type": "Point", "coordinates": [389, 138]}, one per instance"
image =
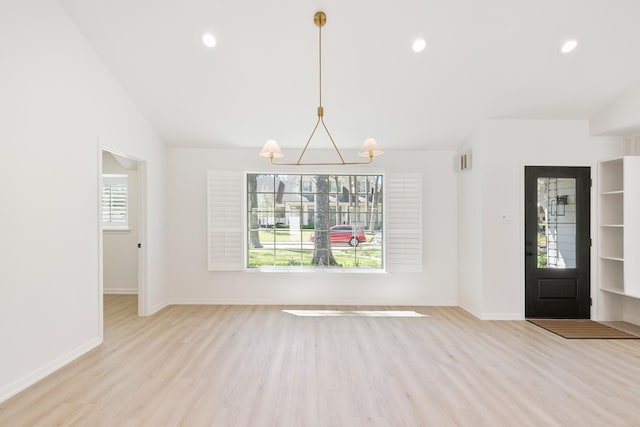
{"type": "Point", "coordinates": [556, 246]}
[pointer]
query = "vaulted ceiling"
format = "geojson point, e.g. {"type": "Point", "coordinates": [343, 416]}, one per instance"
{"type": "Point", "coordinates": [484, 59]}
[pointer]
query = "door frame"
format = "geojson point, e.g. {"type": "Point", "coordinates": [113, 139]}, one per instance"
{"type": "Point", "coordinates": [143, 282]}
{"type": "Point", "coordinates": [593, 275]}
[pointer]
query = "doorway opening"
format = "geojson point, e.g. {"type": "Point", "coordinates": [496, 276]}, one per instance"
{"type": "Point", "coordinates": [122, 226]}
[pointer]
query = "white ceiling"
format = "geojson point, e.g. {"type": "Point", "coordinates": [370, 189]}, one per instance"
{"type": "Point", "coordinates": [484, 59]}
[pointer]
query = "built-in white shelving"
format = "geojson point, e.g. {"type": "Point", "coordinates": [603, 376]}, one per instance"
{"type": "Point", "coordinates": [618, 234]}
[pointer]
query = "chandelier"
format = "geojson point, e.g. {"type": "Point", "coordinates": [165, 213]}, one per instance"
{"type": "Point", "coordinates": [370, 147]}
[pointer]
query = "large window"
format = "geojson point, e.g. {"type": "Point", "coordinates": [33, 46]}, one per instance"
{"type": "Point", "coordinates": [310, 220]}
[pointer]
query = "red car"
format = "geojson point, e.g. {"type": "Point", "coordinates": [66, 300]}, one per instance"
{"type": "Point", "coordinates": [351, 234]}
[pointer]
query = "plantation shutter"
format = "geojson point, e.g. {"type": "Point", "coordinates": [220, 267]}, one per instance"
{"type": "Point", "coordinates": [115, 206]}
{"type": "Point", "coordinates": [224, 217]}
{"type": "Point", "coordinates": [404, 222]}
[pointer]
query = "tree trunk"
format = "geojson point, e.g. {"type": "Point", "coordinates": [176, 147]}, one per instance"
{"type": "Point", "coordinates": [377, 198]}
{"type": "Point", "coordinates": [368, 205]}
{"type": "Point", "coordinates": [322, 254]}
{"type": "Point", "coordinates": [254, 233]}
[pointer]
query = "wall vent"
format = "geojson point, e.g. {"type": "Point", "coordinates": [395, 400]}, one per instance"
{"type": "Point", "coordinates": [631, 146]}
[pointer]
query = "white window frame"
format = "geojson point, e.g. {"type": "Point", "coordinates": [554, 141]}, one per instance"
{"type": "Point", "coordinates": [333, 190]}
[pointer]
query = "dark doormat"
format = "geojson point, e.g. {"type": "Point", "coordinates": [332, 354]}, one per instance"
{"type": "Point", "coordinates": [581, 329]}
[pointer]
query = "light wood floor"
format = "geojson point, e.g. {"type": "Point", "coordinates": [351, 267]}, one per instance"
{"type": "Point", "coordinates": [256, 366]}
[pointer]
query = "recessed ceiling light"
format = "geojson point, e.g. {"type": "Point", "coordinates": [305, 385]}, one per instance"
{"type": "Point", "coordinates": [208, 39]}
{"type": "Point", "coordinates": [569, 46]}
{"type": "Point", "coordinates": [419, 45]}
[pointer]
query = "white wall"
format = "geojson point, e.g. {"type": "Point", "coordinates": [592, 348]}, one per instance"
{"type": "Point", "coordinates": [191, 282]}
{"type": "Point", "coordinates": [120, 250]}
{"type": "Point", "coordinates": [501, 149]}
{"type": "Point", "coordinates": [621, 117]}
{"type": "Point", "coordinates": [57, 100]}
{"type": "Point", "coordinates": [470, 245]}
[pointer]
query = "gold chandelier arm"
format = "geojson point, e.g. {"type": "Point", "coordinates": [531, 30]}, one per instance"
{"type": "Point", "coordinates": [309, 140]}
{"type": "Point", "coordinates": [342, 162]}
{"type": "Point", "coordinates": [332, 142]}
{"type": "Point", "coordinates": [321, 163]}
{"type": "Point", "coordinates": [300, 163]}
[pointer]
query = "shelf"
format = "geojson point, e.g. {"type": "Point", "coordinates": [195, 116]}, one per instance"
{"type": "Point", "coordinates": [609, 193]}
{"type": "Point", "coordinates": [611, 177]}
{"type": "Point", "coordinates": [612, 225]}
{"type": "Point", "coordinates": [610, 258]}
{"type": "Point", "coordinates": [622, 293]}
{"type": "Point", "coordinates": [612, 208]}
{"type": "Point", "coordinates": [613, 291]}
{"type": "Point", "coordinates": [612, 242]}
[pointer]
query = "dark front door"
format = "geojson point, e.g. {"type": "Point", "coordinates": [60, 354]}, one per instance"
{"type": "Point", "coordinates": [557, 242]}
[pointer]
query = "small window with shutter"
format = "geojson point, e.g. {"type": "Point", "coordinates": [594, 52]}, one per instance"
{"type": "Point", "coordinates": [115, 204]}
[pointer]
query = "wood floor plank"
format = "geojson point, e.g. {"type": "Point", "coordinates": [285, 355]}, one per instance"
{"type": "Point", "coordinates": [257, 366]}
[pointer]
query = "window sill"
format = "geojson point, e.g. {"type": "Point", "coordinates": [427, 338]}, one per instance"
{"type": "Point", "coordinates": [112, 229]}
{"type": "Point", "coordinates": [306, 270]}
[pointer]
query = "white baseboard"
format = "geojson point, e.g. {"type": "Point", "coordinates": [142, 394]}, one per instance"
{"type": "Point", "coordinates": [502, 316]}
{"type": "Point", "coordinates": [303, 301]}
{"type": "Point", "coordinates": [49, 368]}
{"type": "Point", "coordinates": [120, 291]}
{"type": "Point", "coordinates": [492, 316]}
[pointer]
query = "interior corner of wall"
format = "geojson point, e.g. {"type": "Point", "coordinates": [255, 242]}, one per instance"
{"type": "Point", "coordinates": [471, 310]}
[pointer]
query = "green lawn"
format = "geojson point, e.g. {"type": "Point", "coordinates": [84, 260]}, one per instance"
{"type": "Point", "coordinates": [283, 235]}
{"type": "Point", "coordinates": [300, 251]}
{"type": "Point", "coordinates": [361, 258]}
{"type": "Point", "coordinates": [542, 249]}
